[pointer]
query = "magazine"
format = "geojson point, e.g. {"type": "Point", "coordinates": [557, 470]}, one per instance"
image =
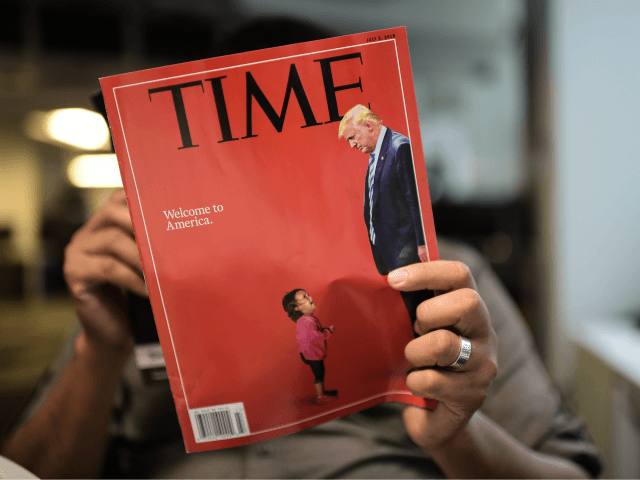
{"type": "Point", "coordinates": [271, 192]}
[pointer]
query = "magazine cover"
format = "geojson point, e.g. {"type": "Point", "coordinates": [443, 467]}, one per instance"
{"type": "Point", "coordinates": [271, 192]}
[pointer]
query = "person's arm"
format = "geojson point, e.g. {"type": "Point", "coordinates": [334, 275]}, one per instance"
{"type": "Point", "coordinates": [460, 439]}
{"type": "Point", "coordinates": [311, 331]}
{"type": "Point", "coordinates": [326, 332]}
{"type": "Point", "coordinates": [66, 436]}
{"type": "Point", "coordinates": [484, 450]}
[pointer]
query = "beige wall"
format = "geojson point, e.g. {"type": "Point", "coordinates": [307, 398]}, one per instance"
{"type": "Point", "coordinates": [20, 195]}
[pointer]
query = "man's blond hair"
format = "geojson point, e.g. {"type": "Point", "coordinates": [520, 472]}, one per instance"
{"type": "Point", "coordinates": [356, 116]}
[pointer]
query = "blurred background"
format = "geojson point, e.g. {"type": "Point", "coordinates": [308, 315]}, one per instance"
{"type": "Point", "coordinates": [528, 113]}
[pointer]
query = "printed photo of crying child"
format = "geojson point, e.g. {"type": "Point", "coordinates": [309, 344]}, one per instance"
{"type": "Point", "coordinates": [312, 339]}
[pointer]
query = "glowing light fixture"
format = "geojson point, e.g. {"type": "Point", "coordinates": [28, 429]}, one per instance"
{"type": "Point", "coordinates": [94, 171]}
{"type": "Point", "coordinates": [77, 127]}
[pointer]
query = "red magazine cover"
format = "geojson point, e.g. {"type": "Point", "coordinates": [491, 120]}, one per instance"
{"type": "Point", "coordinates": [271, 192]}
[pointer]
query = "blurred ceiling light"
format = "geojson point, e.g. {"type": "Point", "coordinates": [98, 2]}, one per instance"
{"type": "Point", "coordinates": [78, 127]}
{"type": "Point", "coordinates": [94, 171]}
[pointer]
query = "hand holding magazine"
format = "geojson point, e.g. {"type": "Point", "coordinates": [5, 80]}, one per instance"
{"type": "Point", "coordinates": [225, 320]}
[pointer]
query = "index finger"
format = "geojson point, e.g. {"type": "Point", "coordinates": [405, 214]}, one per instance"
{"type": "Point", "coordinates": [439, 275]}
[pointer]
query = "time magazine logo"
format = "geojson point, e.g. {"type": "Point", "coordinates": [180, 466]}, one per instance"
{"type": "Point", "coordinates": [213, 90]}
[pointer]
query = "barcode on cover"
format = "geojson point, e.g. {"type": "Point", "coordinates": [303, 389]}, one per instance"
{"type": "Point", "coordinates": [219, 422]}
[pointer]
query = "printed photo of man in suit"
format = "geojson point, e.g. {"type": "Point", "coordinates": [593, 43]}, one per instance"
{"type": "Point", "coordinates": [391, 204]}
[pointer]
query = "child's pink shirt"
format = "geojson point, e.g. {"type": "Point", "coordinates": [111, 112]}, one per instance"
{"type": "Point", "coordinates": [312, 338]}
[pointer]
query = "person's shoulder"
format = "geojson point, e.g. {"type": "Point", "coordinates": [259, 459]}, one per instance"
{"type": "Point", "coordinates": [396, 141]}
{"type": "Point", "coordinates": [305, 323]}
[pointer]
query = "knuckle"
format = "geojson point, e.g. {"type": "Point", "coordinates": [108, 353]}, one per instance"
{"type": "Point", "coordinates": [413, 384]}
{"type": "Point", "coordinates": [108, 209]}
{"type": "Point", "coordinates": [117, 196]}
{"type": "Point", "coordinates": [410, 352]}
{"type": "Point", "coordinates": [420, 328]}
{"type": "Point", "coordinates": [67, 270]}
{"type": "Point", "coordinates": [471, 299]}
{"type": "Point", "coordinates": [463, 271]}
{"type": "Point", "coordinates": [109, 267]}
{"type": "Point", "coordinates": [486, 374]}
{"type": "Point", "coordinates": [492, 371]}
{"type": "Point", "coordinates": [477, 401]}
{"type": "Point", "coordinates": [444, 342]}
{"type": "Point", "coordinates": [420, 353]}
{"type": "Point", "coordinates": [422, 311]}
{"type": "Point", "coordinates": [68, 250]}
{"type": "Point", "coordinates": [453, 347]}
{"type": "Point", "coordinates": [493, 340]}
{"type": "Point", "coordinates": [76, 239]}
{"type": "Point", "coordinates": [113, 237]}
{"type": "Point", "coordinates": [421, 383]}
{"type": "Point", "coordinates": [69, 256]}
{"type": "Point", "coordinates": [75, 288]}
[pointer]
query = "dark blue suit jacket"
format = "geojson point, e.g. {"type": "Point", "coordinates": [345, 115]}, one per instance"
{"type": "Point", "coordinates": [396, 212]}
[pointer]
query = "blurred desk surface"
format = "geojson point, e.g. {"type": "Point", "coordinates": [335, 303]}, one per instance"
{"type": "Point", "coordinates": [615, 340]}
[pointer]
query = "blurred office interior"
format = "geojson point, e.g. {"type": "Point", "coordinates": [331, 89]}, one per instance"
{"type": "Point", "coordinates": [528, 112]}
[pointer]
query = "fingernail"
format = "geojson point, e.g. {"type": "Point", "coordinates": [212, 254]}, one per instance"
{"type": "Point", "coordinates": [398, 277]}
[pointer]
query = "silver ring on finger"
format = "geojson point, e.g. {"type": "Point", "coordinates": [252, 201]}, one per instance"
{"type": "Point", "coordinates": [465, 352]}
